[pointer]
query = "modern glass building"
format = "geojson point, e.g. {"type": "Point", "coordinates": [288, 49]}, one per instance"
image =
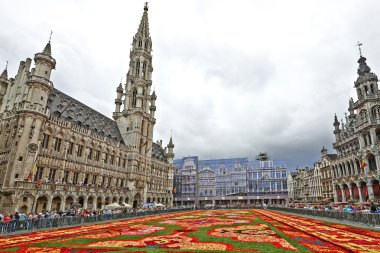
{"type": "Point", "coordinates": [230, 181]}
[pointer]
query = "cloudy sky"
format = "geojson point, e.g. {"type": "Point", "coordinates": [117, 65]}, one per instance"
{"type": "Point", "coordinates": [233, 78]}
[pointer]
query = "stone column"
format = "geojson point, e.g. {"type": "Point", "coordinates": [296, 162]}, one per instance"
{"type": "Point", "coordinates": [370, 190]}
{"type": "Point", "coordinates": [81, 178]}
{"type": "Point", "coordinates": [355, 167]}
{"type": "Point", "coordinates": [49, 203]}
{"type": "Point", "coordinates": [34, 204]}
{"type": "Point", "coordinates": [360, 193]}
{"type": "Point", "coordinates": [350, 188]}
{"type": "Point", "coordinates": [366, 168]}
{"type": "Point", "coordinates": [70, 177]}
{"type": "Point", "coordinates": [98, 180]}
{"type": "Point", "coordinates": [372, 132]}
{"type": "Point", "coordinates": [90, 177]}
{"type": "Point", "coordinates": [377, 158]}
{"type": "Point", "coordinates": [343, 193]}
{"type": "Point", "coordinates": [361, 141]}
{"type": "Point", "coordinates": [335, 194]}
{"type": "Point", "coordinates": [63, 203]}
{"type": "Point", "coordinates": [85, 199]}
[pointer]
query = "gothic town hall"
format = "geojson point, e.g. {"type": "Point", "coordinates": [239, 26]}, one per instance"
{"type": "Point", "coordinates": [57, 153]}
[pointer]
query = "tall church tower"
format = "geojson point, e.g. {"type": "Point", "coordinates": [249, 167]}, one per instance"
{"type": "Point", "coordinates": [24, 111]}
{"type": "Point", "coordinates": [136, 120]}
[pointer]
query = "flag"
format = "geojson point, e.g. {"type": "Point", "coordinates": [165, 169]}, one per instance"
{"type": "Point", "coordinates": [363, 164]}
{"type": "Point", "coordinates": [32, 172]}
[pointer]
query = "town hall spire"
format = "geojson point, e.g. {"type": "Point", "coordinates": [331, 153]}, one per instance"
{"type": "Point", "coordinates": [136, 120]}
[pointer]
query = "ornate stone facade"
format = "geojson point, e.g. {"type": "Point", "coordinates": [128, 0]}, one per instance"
{"type": "Point", "coordinates": [56, 152]}
{"type": "Point", "coordinates": [230, 181]}
{"type": "Point", "coordinates": [326, 174]}
{"type": "Point", "coordinates": [356, 170]}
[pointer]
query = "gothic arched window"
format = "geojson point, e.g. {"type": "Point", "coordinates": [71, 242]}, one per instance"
{"type": "Point", "coordinates": [134, 98]}
{"type": "Point", "coordinates": [140, 43]}
{"type": "Point", "coordinates": [144, 69]}
{"type": "Point", "coordinates": [366, 90]}
{"type": "Point", "coordinates": [363, 116]}
{"type": "Point", "coordinates": [359, 93]}
{"type": "Point", "coordinates": [146, 45]}
{"type": "Point", "coordinates": [137, 68]}
{"type": "Point", "coordinates": [376, 112]}
{"type": "Point", "coordinates": [141, 145]}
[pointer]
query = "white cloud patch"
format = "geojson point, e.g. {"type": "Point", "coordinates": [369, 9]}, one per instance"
{"type": "Point", "coordinates": [232, 77]}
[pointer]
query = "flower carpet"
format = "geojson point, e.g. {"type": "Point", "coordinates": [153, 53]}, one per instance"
{"type": "Point", "coordinates": [231, 230]}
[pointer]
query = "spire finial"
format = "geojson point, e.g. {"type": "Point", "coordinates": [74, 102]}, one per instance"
{"type": "Point", "coordinates": [360, 50]}
{"type": "Point", "coordinates": [146, 6]}
{"type": "Point", "coordinates": [51, 33]}
{"type": "Point", "coordinates": [6, 66]}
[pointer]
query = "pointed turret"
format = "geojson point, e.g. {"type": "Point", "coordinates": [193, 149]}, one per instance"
{"type": "Point", "coordinates": [118, 102]}
{"type": "Point", "coordinates": [351, 107]}
{"type": "Point", "coordinates": [143, 30]}
{"type": "Point", "coordinates": [5, 73]}
{"type": "Point", "coordinates": [39, 83]}
{"type": "Point", "coordinates": [142, 40]}
{"type": "Point", "coordinates": [44, 62]}
{"type": "Point", "coordinates": [364, 72]}
{"type": "Point", "coordinates": [336, 123]}
{"type": "Point", "coordinates": [323, 151]}
{"type": "Point", "coordinates": [3, 84]}
{"type": "Point", "coordinates": [47, 49]}
{"type": "Point", "coordinates": [152, 106]}
{"type": "Point", "coordinates": [170, 154]}
{"type": "Point", "coordinates": [337, 131]}
{"type": "Point", "coordinates": [170, 145]}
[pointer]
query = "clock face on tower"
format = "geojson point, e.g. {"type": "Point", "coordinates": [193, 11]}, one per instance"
{"type": "Point", "coordinates": [32, 147]}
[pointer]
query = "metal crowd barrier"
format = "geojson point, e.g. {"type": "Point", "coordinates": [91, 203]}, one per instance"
{"type": "Point", "coordinates": [369, 219]}
{"type": "Point", "coordinates": [42, 223]}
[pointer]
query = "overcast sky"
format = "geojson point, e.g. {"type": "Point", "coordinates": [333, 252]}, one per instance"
{"type": "Point", "coordinates": [233, 78]}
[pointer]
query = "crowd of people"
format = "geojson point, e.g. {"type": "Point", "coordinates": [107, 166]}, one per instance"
{"type": "Point", "coordinates": [369, 207]}
{"type": "Point", "coordinates": [22, 220]}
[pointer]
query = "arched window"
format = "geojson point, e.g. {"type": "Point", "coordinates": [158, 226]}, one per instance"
{"type": "Point", "coordinates": [376, 112]}
{"type": "Point", "coordinates": [144, 69]}
{"type": "Point", "coordinates": [366, 90]}
{"type": "Point", "coordinates": [141, 145]}
{"type": "Point", "coordinates": [134, 98]}
{"type": "Point", "coordinates": [369, 138]}
{"type": "Point", "coordinates": [140, 43]}
{"type": "Point", "coordinates": [363, 116]}
{"type": "Point", "coordinates": [359, 93]}
{"type": "Point", "coordinates": [372, 163]}
{"type": "Point", "coordinates": [137, 68]}
{"type": "Point", "coordinates": [146, 45]}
